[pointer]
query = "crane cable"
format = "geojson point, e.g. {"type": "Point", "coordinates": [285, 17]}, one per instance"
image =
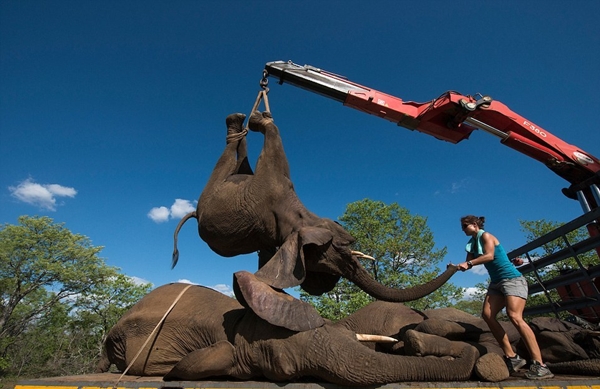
{"type": "Point", "coordinates": [262, 96]}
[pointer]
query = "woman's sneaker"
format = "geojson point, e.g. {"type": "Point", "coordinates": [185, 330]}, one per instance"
{"type": "Point", "coordinates": [514, 363]}
{"type": "Point", "coordinates": [538, 372]}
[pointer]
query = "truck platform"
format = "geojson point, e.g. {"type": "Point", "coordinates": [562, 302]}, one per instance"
{"type": "Point", "coordinates": [111, 380]}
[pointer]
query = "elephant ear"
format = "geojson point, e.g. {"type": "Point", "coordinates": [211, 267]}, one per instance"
{"type": "Point", "coordinates": [315, 235]}
{"type": "Point", "coordinates": [286, 268]}
{"type": "Point", "coordinates": [315, 243]}
{"type": "Point", "coordinates": [261, 292]}
{"type": "Point", "coordinates": [216, 360]}
{"type": "Point", "coordinates": [275, 307]}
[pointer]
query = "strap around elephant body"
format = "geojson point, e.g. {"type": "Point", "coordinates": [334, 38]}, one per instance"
{"type": "Point", "coordinates": [152, 333]}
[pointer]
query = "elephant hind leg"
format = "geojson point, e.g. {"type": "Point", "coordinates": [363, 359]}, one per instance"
{"type": "Point", "coordinates": [272, 161]}
{"type": "Point", "coordinates": [445, 328]}
{"type": "Point", "coordinates": [232, 160]}
{"type": "Point", "coordinates": [236, 133]}
{"type": "Point", "coordinates": [422, 344]}
{"type": "Point", "coordinates": [216, 360]}
{"type": "Point", "coordinates": [234, 123]}
{"type": "Point", "coordinates": [243, 166]}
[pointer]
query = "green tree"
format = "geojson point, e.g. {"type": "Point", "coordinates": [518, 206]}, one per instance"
{"type": "Point", "coordinates": [533, 229]}
{"type": "Point", "coordinates": [403, 247]}
{"type": "Point", "coordinates": [57, 298]}
{"type": "Point", "coordinates": [96, 311]}
{"type": "Point", "coordinates": [474, 302]}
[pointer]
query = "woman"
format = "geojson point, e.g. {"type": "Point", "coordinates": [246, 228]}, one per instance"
{"type": "Point", "coordinates": [508, 288]}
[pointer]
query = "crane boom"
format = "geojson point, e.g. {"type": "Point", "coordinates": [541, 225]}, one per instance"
{"type": "Point", "coordinates": [451, 117]}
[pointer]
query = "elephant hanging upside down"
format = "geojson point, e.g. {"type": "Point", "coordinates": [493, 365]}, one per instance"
{"type": "Point", "coordinates": [240, 212]}
{"type": "Point", "coordinates": [208, 334]}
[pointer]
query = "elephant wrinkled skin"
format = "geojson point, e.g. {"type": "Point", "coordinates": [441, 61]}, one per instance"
{"type": "Point", "coordinates": [208, 334]}
{"type": "Point", "coordinates": [565, 347]}
{"type": "Point", "coordinates": [240, 211]}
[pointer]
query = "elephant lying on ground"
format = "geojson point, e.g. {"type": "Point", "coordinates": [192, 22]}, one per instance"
{"type": "Point", "coordinates": [208, 334]}
{"type": "Point", "coordinates": [565, 347]}
{"type": "Point", "coordinates": [241, 212]}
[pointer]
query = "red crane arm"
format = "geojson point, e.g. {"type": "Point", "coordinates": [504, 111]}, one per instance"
{"type": "Point", "coordinates": [451, 117]}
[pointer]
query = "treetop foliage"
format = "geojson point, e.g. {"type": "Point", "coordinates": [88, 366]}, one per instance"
{"type": "Point", "coordinates": [405, 255]}
{"type": "Point", "coordinates": [58, 299]}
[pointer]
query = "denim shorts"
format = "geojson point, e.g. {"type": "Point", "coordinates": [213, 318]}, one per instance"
{"type": "Point", "coordinates": [510, 287]}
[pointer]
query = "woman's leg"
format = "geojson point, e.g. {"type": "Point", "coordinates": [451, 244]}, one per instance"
{"type": "Point", "coordinates": [514, 309]}
{"type": "Point", "coordinates": [492, 305]}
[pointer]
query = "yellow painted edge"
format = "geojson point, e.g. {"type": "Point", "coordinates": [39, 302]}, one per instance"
{"type": "Point", "coordinates": [46, 387]}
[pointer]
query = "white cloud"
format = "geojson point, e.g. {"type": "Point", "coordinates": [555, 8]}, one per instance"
{"type": "Point", "coordinates": [460, 186]}
{"type": "Point", "coordinates": [60, 190]}
{"type": "Point", "coordinates": [139, 281]}
{"type": "Point", "coordinates": [225, 289]}
{"type": "Point", "coordinates": [179, 209]}
{"type": "Point", "coordinates": [479, 270]}
{"type": "Point", "coordinates": [222, 288]}
{"type": "Point", "coordinates": [469, 293]}
{"type": "Point", "coordinates": [43, 196]}
{"type": "Point", "coordinates": [159, 214]}
{"type": "Point", "coordinates": [186, 281]}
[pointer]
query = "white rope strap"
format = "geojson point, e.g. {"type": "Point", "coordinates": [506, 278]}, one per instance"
{"type": "Point", "coordinates": [152, 333]}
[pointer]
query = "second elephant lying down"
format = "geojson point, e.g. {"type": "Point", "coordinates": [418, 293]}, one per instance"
{"type": "Point", "coordinates": [208, 334]}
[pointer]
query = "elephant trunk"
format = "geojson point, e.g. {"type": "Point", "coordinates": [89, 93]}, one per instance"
{"type": "Point", "coordinates": [361, 278]}
{"type": "Point", "coordinates": [581, 367]}
{"type": "Point", "coordinates": [335, 359]}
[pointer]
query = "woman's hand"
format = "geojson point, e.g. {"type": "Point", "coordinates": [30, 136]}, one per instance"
{"type": "Point", "coordinates": [517, 261]}
{"type": "Point", "coordinates": [463, 266]}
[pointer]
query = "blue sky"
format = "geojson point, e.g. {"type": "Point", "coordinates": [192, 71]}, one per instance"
{"type": "Point", "coordinates": [111, 109]}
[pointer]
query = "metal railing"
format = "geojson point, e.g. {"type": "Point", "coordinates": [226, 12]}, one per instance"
{"type": "Point", "coordinates": [585, 279]}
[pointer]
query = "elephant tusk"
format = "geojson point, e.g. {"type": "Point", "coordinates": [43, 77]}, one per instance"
{"type": "Point", "coordinates": [361, 255]}
{"type": "Point", "coordinates": [375, 338]}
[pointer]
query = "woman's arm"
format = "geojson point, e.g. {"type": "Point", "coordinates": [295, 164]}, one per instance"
{"type": "Point", "coordinates": [489, 245]}
{"type": "Point", "coordinates": [465, 265]}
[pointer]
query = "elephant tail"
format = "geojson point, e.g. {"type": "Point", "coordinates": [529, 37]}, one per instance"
{"type": "Point", "coordinates": [181, 223]}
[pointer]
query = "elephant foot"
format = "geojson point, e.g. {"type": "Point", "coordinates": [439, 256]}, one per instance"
{"type": "Point", "coordinates": [422, 344]}
{"type": "Point", "coordinates": [259, 121]}
{"type": "Point", "coordinates": [276, 307]}
{"type": "Point", "coordinates": [413, 343]}
{"type": "Point", "coordinates": [235, 126]}
{"type": "Point", "coordinates": [491, 367]}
